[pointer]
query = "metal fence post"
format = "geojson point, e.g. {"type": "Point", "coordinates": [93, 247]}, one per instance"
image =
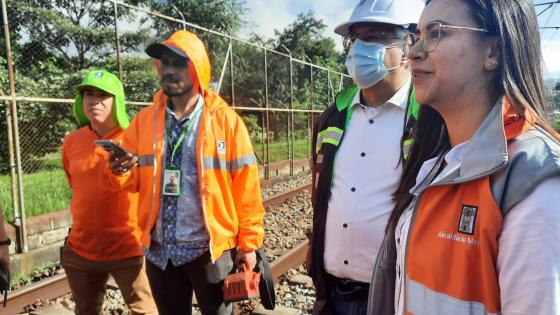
{"type": "Point", "coordinates": [267, 121]}
{"type": "Point", "coordinates": [20, 221]}
{"type": "Point", "coordinates": [118, 41]}
{"type": "Point", "coordinates": [226, 59]}
{"type": "Point", "coordinates": [292, 138]}
{"type": "Point", "coordinates": [231, 74]}
{"type": "Point", "coordinates": [311, 118]}
{"type": "Point", "coordinates": [13, 175]}
{"type": "Point", "coordinates": [329, 87]}
{"type": "Point", "coordinates": [290, 135]}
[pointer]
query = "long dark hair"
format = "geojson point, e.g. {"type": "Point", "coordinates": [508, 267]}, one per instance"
{"type": "Point", "coordinates": [518, 76]}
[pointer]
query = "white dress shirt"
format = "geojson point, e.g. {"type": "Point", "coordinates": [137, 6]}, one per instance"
{"type": "Point", "coordinates": [366, 173]}
{"type": "Point", "coordinates": [528, 261]}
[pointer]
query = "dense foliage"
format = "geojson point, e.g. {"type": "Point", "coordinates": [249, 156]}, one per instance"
{"type": "Point", "coordinates": [55, 42]}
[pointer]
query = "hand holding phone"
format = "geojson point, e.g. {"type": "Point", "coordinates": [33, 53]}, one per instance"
{"type": "Point", "coordinates": [111, 147]}
{"type": "Point", "coordinates": [120, 160]}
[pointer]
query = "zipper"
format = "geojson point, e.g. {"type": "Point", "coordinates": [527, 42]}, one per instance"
{"type": "Point", "coordinates": [201, 179]}
{"type": "Point", "coordinates": [154, 175]}
{"type": "Point", "coordinates": [415, 211]}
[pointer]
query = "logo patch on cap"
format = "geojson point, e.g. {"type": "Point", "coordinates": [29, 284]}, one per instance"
{"type": "Point", "coordinates": [468, 219]}
{"type": "Point", "coordinates": [98, 75]}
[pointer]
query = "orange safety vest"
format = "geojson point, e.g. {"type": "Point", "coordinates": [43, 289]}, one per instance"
{"type": "Point", "coordinates": [227, 168]}
{"type": "Point", "coordinates": [452, 246]}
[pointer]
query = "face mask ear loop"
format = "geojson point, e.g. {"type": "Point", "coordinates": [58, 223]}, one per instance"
{"type": "Point", "coordinates": [404, 58]}
{"type": "Point", "coordinates": [394, 68]}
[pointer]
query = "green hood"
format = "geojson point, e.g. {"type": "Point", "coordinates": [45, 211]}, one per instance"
{"type": "Point", "coordinates": [108, 82]}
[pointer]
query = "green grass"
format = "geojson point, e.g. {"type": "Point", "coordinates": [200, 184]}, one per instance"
{"type": "Point", "coordinates": [52, 161]}
{"type": "Point", "coordinates": [44, 192]}
{"type": "Point", "coordinates": [278, 150]}
{"type": "Point", "coordinates": [47, 191]}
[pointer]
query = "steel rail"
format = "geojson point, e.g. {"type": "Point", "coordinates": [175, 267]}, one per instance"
{"type": "Point", "coordinates": [290, 259]}
{"type": "Point", "coordinates": [280, 198]}
{"type": "Point", "coordinates": [49, 288]}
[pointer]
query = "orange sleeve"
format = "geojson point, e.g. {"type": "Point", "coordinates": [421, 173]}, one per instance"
{"type": "Point", "coordinates": [65, 160]}
{"type": "Point", "coordinates": [246, 187]}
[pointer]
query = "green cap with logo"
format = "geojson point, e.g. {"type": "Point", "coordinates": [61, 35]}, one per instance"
{"type": "Point", "coordinates": [108, 82]}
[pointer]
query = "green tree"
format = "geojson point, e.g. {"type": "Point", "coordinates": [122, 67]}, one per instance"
{"type": "Point", "coordinates": [54, 42]}
{"type": "Point", "coordinates": [224, 16]}
{"type": "Point", "coordinates": [305, 39]}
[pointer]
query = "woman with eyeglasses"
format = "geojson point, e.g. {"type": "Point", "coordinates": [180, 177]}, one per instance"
{"type": "Point", "coordinates": [476, 226]}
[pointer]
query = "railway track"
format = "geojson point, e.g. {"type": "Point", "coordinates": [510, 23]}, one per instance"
{"type": "Point", "coordinates": [57, 286]}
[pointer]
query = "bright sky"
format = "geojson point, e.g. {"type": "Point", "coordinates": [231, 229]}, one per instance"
{"type": "Point", "coordinates": [268, 15]}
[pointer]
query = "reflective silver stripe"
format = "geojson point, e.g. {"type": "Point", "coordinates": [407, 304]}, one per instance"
{"type": "Point", "coordinates": [214, 163]}
{"type": "Point", "coordinates": [242, 162]}
{"type": "Point", "coordinates": [424, 301]}
{"type": "Point", "coordinates": [320, 137]}
{"type": "Point", "coordinates": [146, 159]}
{"type": "Point", "coordinates": [219, 163]}
{"type": "Point", "coordinates": [331, 135]}
{"type": "Point", "coordinates": [334, 135]}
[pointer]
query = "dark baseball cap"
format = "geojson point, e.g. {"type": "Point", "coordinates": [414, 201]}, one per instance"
{"type": "Point", "coordinates": [155, 50]}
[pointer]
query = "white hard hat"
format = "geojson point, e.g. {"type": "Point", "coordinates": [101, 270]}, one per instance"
{"type": "Point", "coordinates": [397, 12]}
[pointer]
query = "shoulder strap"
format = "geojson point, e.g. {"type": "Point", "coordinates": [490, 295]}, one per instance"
{"type": "Point", "coordinates": [412, 110]}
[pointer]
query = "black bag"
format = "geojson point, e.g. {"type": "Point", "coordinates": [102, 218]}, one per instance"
{"type": "Point", "coordinates": [4, 284]}
{"type": "Point", "coordinates": [266, 284]}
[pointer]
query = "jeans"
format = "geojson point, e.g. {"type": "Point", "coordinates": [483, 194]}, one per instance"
{"type": "Point", "coordinates": [339, 306]}
{"type": "Point", "coordinates": [354, 302]}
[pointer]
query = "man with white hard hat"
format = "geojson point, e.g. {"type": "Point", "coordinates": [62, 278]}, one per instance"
{"type": "Point", "coordinates": [368, 130]}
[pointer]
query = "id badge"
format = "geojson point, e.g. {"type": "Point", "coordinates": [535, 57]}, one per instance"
{"type": "Point", "coordinates": [171, 182]}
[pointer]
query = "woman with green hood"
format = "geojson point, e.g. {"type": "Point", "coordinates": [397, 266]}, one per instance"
{"type": "Point", "coordinates": [104, 238]}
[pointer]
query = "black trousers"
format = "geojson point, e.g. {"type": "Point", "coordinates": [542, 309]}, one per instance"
{"type": "Point", "coordinates": [173, 287]}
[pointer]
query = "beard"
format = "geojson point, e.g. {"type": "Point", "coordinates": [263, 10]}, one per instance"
{"type": "Point", "coordinates": [179, 89]}
{"type": "Point", "coordinates": [170, 92]}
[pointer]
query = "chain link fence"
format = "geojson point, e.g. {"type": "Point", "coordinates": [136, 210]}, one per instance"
{"type": "Point", "coordinates": [279, 97]}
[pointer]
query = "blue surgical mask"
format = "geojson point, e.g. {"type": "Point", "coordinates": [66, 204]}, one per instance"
{"type": "Point", "coordinates": [365, 63]}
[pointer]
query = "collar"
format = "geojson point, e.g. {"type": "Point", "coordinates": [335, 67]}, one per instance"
{"type": "Point", "coordinates": [487, 152]}
{"type": "Point", "coordinates": [109, 135]}
{"type": "Point", "coordinates": [196, 109]}
{"type": "Point", "coordinates": [399, 99]}
{"type": "Point", "coordinates": [453, 159]}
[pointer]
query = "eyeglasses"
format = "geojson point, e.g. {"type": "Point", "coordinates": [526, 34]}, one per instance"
{"type": "Point", "coordinates": [431, 33]}
{"type": "Point", "coordinates": [377, 37]}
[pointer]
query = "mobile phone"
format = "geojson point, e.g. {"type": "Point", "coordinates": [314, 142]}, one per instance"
{"type": "Point", "coordinates": [111, 147]}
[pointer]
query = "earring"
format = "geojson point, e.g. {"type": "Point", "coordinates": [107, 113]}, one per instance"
{"type": "Point", "coordinates": [491, 64]}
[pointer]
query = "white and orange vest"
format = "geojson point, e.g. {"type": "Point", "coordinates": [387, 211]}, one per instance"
{"type": "Point", "coordinates": [452, 246]}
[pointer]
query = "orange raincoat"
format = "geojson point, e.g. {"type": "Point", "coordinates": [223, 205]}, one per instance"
{"type": "Point", "coordinates": [228, 174]}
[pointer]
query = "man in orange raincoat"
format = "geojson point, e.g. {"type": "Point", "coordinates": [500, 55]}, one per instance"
{"type": "Point", "coordinates": [195, 234]}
